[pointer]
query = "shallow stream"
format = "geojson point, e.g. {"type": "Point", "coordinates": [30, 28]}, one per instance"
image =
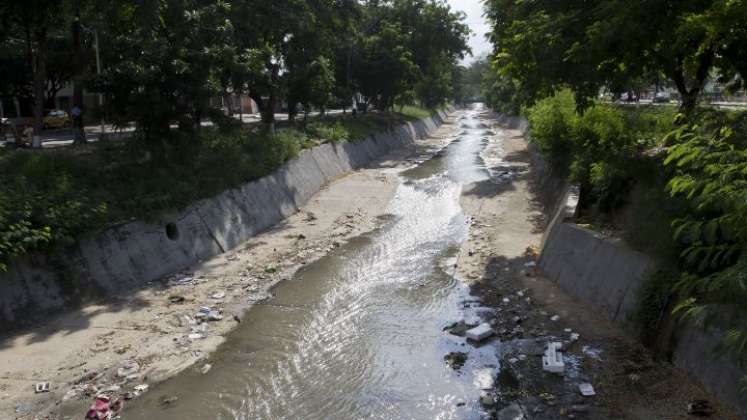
{"type": "Point", "coordinates": [358, 334]}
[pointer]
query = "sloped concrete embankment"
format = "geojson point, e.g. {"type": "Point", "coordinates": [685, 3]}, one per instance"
{"type": "Point", "coordinates": [128, 256]}
{"type": "Point", "coordinates": [607, 274]}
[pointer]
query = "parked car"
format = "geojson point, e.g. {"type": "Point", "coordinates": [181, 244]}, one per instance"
{"type": "Point", "coordinates": [662, 98]}
{"type": "Point", "coordinates": [57, 118]}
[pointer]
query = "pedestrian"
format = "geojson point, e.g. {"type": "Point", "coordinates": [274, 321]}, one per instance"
{"type": "Point", "coordinates": [27, 137]}
{"type": "Point", "coordinates": [79, 133]}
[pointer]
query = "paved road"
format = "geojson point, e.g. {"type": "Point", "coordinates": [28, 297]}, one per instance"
{"type": "Point", "coordinates": [64, 136]}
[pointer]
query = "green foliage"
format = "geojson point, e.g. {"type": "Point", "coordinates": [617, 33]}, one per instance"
{"type": "Point", "coordinates": [552, 121]}
{"type": "Point", "coordinates": [709, 164]}
{"type": "Point", "coordinates": [711, 172]}
{"type": "Point", "coordinates": [545, 45]}
{"type": "Point", "coordinates": [597, 148]}
{"type": "Point", "coordinates": [335, 132]}
{"type": "Point", "coordinates": [41, 206]}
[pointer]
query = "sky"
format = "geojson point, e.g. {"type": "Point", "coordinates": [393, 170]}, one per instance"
{"type": "Point", "coordinates": [478, 43]}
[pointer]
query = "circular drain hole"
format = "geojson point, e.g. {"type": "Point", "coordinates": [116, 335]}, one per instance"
{"type": "Point", "coordinates": [172, 232]}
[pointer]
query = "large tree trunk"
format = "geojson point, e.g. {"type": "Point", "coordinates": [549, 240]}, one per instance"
{"type": "Point", "coordinates": [292, 111]}
{"type": "Point", "coordinates": [691, 94]}
{"type": "Point", "coordinates": [39, 66]}
{"type": "Point", "coordinates": [78, 73]}
{"type": "Point", "coordinates": [268, 113]}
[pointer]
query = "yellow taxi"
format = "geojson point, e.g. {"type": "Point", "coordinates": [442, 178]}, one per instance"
{"type": "Point", "coordinates": [57, 118]}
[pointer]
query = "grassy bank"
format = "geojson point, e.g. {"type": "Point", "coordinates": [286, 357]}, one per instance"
{"type": "Point", "coordinates": [49, 198]}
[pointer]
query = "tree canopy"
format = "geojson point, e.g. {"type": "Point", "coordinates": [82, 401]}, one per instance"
{"type": "Point", "coordinates": [544, 45]}
{"type": "Point", "coordinates": [165, 60]}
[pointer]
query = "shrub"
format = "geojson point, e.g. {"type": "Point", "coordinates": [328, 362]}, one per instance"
{"type": "Point", "coordinates": [335, 132]}
{"type": "Point", "coordinates": [709, 161]}
{"type": "Point", "coordinates": [551, 123]}
{"type": "Point", "coordinates": [603, 151]}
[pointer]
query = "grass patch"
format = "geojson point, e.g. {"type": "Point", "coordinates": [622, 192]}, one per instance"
{"type": "Point", "coordinates": [413, 113]}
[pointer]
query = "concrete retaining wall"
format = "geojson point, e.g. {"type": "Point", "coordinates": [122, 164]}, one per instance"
{"type": "Point", "coordinates": [130, 255]}
{"type": "Point", "coordinates": [606, 274]}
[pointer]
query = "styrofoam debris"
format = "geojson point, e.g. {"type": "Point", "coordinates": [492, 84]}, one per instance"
{"type": "Point", "coordinates": [552, 360]}
{"type": "Point", "coordinates": [586, 389]}
{"type": "Point", "coordinates": [42, 387]}
{"type": "Point", "coordinates": [480, 332]}
{"type": "Point", "coordinates": [592, 352]}
{"type": "Point", "coordinates": [484, 379]}
{"type": "Point", "coordinates": [129, 367]}
{"type": "Point", "coordinates": [575, 336]}
{"type": "Point", "coordinates": [214, 316]}
{"type": "Point", "coordinates": [218, 295]}
{"type": "Point", "coordinates": [530, 264]}
{"type": "Point", "coordinates": [206, 368]}
{"type": "Point", "coordinates": [554, 318]}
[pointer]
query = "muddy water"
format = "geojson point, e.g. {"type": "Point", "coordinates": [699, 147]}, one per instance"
{"type": "Point", "coordinates": [359, 333]}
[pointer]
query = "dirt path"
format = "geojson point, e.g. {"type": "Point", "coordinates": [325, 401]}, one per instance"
{"type": "Point", "coordinates": [529, 310]}
{"type": "Point", "coordinates": [151, 335]}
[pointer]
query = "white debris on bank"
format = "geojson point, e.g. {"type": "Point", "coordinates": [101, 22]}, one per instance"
{"type": "Point", "coordinates": [552, 360]}
{"type": "Point", "coordinates": [480, 332]}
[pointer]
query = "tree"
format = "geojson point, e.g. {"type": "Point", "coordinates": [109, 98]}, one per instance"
{"type": "Point", "coordinates": [31, 20]}
{"type": "Point", "coordinates": [164, 58]}
{"type": "Point", "coordinates": [585, 45]}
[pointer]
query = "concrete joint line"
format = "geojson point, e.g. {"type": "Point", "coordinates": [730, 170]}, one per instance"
{"type": "Point", "coordinates": [212, 235]}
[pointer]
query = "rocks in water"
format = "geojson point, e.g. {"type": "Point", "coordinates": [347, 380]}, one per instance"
{"type": "Point", "coordinates": [512, 412]}
{"type": "Point", "coordinates": [456, 359]}
{"type": "Point", "coordinates": [458, 328]}
{"type": "Point", "coordinates": [479, 333]}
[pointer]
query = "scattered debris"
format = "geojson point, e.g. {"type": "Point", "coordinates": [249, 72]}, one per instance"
{"type": "Point", "coordinates": [456, 359]}
{"type": "Point", "coordinates": [530, 264]}
{"type": "Point", "coordinates": [575, 337]}
{"type": "Point", "coordinates": [128, 368]}
{"type": "Point", "coordinates": [168, 400]}
{"type": "Point", "coordinates": [552, 360]}
{"type": "Point", "coordinates": [271, 270]}
{"type": "Point", "coordinates": [554, 318]}
{"type": "Point", "coordinates": [214, 316]}
{"type": "Point", "coordinates": [484, 379]}
{"type": "Point", "coordinates": [702, 408]}
{"type": "Point", "coordinates": [586, 389]}
{"type": "Point", "coordinates": [104, 408]}
{"type": "Point", "coordinates": [512, 412]}
{"type": "Point", "coordinates": [123, 349]}
{"type": "Point", "coordinates": [174, 299]}
{"type": "Point", "coordinates": [487, 399]}
{"type": "Point", "coordinates": [592, 352]}
{"type": "Point", "coordinates": [42, 387]}
{"type": "Point", "coordinates": [140, 389]}
{"type": "Point", "coordinates": [458, 328]}
{"type": "Point", "coordinates": [236, 318]}
{"type": "Point", "coordinates": [480, 332]}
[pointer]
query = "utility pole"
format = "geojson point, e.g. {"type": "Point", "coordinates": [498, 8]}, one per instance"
{"type": "Point", "coordinates": [102, 134]}
{"type": "Point", "coordinates": [77, 111]}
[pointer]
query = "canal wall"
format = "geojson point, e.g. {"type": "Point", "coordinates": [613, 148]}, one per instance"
{"type": "Point", "coordinates": [607, 274]}
{"type": "Point", "coordinates": [130, 255]}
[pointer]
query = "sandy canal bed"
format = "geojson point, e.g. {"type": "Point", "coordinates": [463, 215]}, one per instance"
{"type": "Point", "coordinates": [80, 352]}
{"type": "Point", "coordinates": [152, 335]}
